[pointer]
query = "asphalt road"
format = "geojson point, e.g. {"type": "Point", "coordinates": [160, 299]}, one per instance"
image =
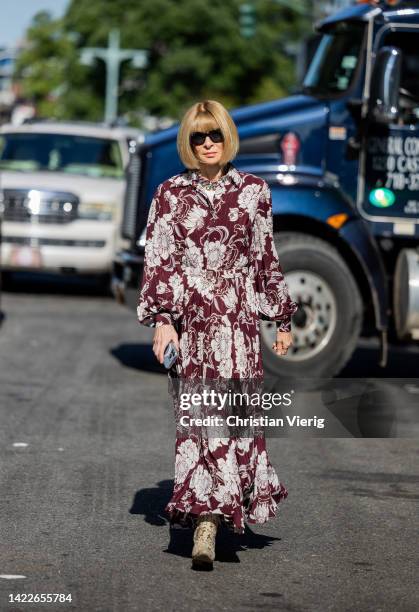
{"type": "Point", "coordinates": [86, 469]}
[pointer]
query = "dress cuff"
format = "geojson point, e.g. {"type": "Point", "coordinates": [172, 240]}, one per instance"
{"type": "Point", "coordinates": [284, 325]}
{"type": "Point", "coordinates": [163, 318]}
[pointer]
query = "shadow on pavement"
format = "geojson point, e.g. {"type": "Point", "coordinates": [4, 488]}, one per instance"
{"type": "Point", "coordinates": [138, 356]}
{"type": "Point", "coordinates": [56, 284]}
{"type": "Point", "coordinates": [151, 502]}
{"type": "Point", "coordinates": [403, 361]}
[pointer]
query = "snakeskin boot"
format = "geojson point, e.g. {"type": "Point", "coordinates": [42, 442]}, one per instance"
{"type": "Point", "coordinates": [203, 552]}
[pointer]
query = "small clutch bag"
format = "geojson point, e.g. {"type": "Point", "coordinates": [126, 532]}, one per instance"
{"type": "Point", "coordinates": [170, 355]}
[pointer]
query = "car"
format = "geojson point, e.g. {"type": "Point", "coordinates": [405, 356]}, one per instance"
{"type": "Point", "coordinates": [62, 189]}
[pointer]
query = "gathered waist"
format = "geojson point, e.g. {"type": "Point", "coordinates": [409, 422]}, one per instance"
{"type": "Point", "coordinates": [217, 273]}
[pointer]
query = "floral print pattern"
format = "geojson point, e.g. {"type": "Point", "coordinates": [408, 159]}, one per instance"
{"type": "Point", "coordinates": [211, 269]}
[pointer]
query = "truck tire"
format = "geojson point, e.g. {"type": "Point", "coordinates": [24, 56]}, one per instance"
{"type": "Point", "coordinates": [327, 326]}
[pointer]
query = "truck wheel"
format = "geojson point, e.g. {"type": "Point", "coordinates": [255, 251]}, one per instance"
{"type": "Point", "coordinates": [327, 325]}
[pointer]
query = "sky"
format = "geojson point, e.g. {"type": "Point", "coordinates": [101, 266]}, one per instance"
{"type": "Point", "coordinates": [17, 15]}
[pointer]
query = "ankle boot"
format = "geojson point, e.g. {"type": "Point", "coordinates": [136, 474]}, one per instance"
{"type": "Point", "coordinates": [203, 552]}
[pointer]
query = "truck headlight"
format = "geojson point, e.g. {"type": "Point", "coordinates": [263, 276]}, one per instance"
{"type": "Point", "coordinates": [99, 211]}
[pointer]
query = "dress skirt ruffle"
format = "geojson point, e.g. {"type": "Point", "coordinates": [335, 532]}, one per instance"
{"type": "Point", "coordinates": [232, 477]}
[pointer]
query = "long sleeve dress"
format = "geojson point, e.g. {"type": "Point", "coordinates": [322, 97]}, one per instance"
{"type": "Point", "coordinates": [211, 269]}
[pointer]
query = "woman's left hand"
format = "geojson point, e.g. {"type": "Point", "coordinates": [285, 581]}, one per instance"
{"type": "Point", "coordinates": [283, 342]}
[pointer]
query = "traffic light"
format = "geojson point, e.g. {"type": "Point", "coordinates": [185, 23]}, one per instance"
{"type": "Point", "coordinates": [247, 20]}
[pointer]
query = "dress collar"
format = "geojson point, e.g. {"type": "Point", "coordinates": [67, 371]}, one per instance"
{"type": "Point", "coordinates": [194, 177]}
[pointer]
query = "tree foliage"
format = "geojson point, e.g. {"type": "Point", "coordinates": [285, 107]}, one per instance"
{"type": "Point", "coordinates": [195, 49]}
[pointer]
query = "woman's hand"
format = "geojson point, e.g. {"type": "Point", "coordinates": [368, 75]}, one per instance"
{"type": "Point", "coordinates": [162, 336]}
{"type": "Point", "coordinates": [283, 342]}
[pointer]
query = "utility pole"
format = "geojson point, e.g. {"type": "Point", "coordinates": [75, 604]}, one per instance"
{"type": "Point", "coordinates": [113, 56]}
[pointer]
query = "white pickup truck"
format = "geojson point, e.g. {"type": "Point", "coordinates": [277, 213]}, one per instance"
{"type": "Point", "coordinates": [62, 189]}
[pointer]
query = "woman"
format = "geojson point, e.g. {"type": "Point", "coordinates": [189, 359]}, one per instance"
{"type": "Point", "coordinates": [211, 271]}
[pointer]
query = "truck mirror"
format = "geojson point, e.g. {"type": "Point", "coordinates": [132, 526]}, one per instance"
{"type": "Point", "coordinates": [385, 82]}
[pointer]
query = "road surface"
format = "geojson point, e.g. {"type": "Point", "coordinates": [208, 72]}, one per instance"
{"type": "Point", "coordinates": [87, 466]}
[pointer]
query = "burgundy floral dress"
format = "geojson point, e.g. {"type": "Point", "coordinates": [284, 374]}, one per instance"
{"type": "Point", "coordinates": [211, 269]}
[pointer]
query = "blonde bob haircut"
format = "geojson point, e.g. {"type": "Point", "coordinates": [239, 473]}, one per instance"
{"type": "Point", "coordinates": [203, 117]}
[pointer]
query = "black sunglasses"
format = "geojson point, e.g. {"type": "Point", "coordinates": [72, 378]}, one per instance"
{"type": "Point", "coordinates": [198, 138]}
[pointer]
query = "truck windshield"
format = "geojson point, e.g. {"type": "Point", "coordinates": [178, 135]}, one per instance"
{"type": "Point", "coordinates": [72, 154]}
{"type": "Point", "coordinates": [333, 65]}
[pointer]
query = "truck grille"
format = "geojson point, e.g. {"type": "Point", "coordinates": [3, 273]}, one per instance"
{"type": "Point", "coordinates": [30, 240]}
{"type": "Point", "coordinates": [25, 205]}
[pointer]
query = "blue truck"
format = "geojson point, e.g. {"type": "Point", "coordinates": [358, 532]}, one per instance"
{"type": "Point", "coordinates": [341, 156]}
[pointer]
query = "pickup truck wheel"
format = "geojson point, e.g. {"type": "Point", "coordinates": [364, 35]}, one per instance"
{"type": "Point", "coordinates": [327, 325]}
{"type": "Point", "coordinates": [6, 279]}
{"type": "Point", "coordinates": [104, 284]}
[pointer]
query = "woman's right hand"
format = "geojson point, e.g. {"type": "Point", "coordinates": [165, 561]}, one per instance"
{"type": "Point", "coordinates": [162, 336]}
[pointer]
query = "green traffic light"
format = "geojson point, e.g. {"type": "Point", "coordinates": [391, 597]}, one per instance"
{"type": "Point", "coordinates": [382, 197]}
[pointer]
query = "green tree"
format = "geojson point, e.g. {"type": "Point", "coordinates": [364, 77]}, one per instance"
{"type": "Point", "coordinates": [196, 51]}
{"type": "Point", "coordinates": [50, 72]}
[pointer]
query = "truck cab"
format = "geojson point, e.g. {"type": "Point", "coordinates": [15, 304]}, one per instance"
{"type": "Point", "coordinates": [341, 157]}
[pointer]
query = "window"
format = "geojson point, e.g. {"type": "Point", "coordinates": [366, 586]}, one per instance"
{"type": "Point", "coordinates": [407, 42]}
{"type": "Point", "coordinates": [335, 60]}
{"type": "Point", "coordinates": [68, 153]}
